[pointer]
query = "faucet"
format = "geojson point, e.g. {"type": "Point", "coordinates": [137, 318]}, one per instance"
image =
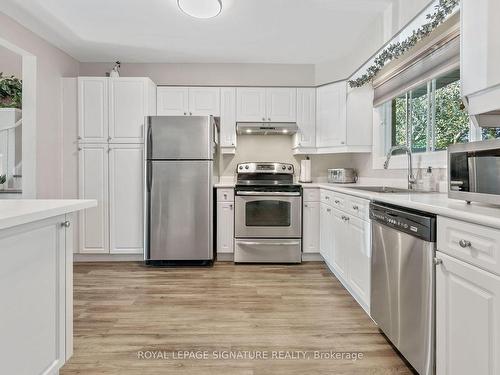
{"type": "Point", "coordinates": [411, 178]}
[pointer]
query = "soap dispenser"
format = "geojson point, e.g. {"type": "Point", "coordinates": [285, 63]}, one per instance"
{"type": "Point", "coordinates": [428, 180]}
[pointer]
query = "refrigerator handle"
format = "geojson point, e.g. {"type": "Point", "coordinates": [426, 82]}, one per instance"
{"type": "Point", "coordinates": [149, 175]}
{"type": "Point", "coordinates": [149, 142]}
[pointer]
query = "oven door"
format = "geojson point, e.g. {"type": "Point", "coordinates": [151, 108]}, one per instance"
{"type": "Point", "coordinates": [268, 215]}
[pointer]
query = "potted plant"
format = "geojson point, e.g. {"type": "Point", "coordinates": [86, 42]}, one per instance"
{"type": "Point", "coordinates": [11, 89]}
{"type": "Point", "coordinates": [3, 179]}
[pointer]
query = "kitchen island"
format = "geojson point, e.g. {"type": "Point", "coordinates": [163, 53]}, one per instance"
{"type": "Point", "coordinates": [36, 284]}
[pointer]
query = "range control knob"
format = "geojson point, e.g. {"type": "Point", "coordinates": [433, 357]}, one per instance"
{"type": "Point", "coordinates": [283, 167]}
{"type": "Point", "coordinates": [289, 167]}
{"type": "Point", "coordinates": [246, 167]}
{"type": "Point", "coordinates": [241, 167]}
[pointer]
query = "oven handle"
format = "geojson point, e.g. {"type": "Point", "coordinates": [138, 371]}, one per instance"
{"type": "Point", "coordinates": [274, 193]}
{"type": "Point", "coordinates": [268, 243]}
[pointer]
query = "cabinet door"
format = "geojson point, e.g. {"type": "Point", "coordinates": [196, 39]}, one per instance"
{"type": "Point", "coordinates": [172, 101]}
{"type": "Point", "coordinates": [331, 115]}
{"type": "Point", "coordinates": [228, 117]}
{"type": "Point", "coordinates": [306, 118]}
{"type": "Point", "coordinates": [467, 319]}
{"type": "Point", "coordinates": [225, 227]}
{"type": "Point", "coordinates": [93, 109]}
{"type": "Point", "coordinates": [126, 163]}
{"type": "Point", "coordinates": [128, 106]}
{"type": "Point", "coordinates": [204, 101]}
{"type": "Point", "coordinates": [93, 184]}
{"type": "Point", "coordinates": [251, 104]}
{"type": "Point", "coordinates": [310, 225]}
{"type": "Point", "coordinates": [358, 249]}
{"type": "Point", "coordinates": [325, 231]}
{"type": "Point", "coordinates": [281, 104]}
{"type": "Point", "coordinates": [340, 240]}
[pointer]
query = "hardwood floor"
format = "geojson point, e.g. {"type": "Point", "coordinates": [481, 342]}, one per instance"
{"type": "Point", "coordinates": [124, 310]}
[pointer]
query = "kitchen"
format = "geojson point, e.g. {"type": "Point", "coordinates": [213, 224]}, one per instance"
{"type": "Point", "coordinates": [245, 209]}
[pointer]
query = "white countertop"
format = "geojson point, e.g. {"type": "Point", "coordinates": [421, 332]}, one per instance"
{"type": "Point", "coordinates": [21, 211]}
{"type": "Point", "coordinates": [435, 203]}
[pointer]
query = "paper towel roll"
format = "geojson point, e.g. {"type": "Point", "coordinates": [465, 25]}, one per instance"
{"type": "Point", "coordinates": [305, 171]}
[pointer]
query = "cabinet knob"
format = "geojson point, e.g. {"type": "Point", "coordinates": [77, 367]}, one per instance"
{"type": "Point", "coordinates": [438, 261]}
{"type": "Point", "coordinates": [355, 207]}
{"type": "Point", "coordinates": [230, 206]}
{"type": "Point", "coordinates": [66, 224]}
{"type": "Point", "coordinates": [465, 243]}
{"type": "Point", "coordinates": [269, 118]}
{"type": "Point", "coordinates": [225, 196]}
{"type": "Point", "coordinates": [342, 143]}
{"type": "Point", "coordinates": [185, 113]}
{"type": "Point", "coordinates": [109, 139]}
{"type": "Point", "coordinates": [78, 137]}
{"type": "Point", "coordinates": [327, 197]}
{"type": "Point", "coordinates": [337, 201]}
{"type": "Point", "coordinates": [190, 113]}
{"type": "Point", "coordinates": [263, 119]}
{"type": "Point", "coordinates": [328, 210]}
{"type": "Point", "coordinates": [79, 149]}
{"type": "Point", "coordinates": [306, 205]}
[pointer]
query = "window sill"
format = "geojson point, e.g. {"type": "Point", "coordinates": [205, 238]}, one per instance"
{"type": "Point", "coordinates": [436, 159]}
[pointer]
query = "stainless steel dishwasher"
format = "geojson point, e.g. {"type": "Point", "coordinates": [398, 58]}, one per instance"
{"type": "Point", "coordinates": [403, 281]}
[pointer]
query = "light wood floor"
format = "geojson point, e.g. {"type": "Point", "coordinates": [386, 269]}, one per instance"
{"type": "Point", "coordinates": [124, 308]}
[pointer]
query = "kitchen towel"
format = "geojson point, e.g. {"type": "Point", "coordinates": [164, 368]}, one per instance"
{"type": "Point", "coordinates": [305, 171]}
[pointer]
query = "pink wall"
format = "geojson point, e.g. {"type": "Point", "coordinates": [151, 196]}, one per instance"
{"type": "Point", "coordinates": [52, 64]}
{"type": "Point", "coordinates": [10, 63]}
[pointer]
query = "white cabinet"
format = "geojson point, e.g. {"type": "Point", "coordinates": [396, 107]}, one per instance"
{"type": "Point", "coordinates": [172, 101]}
{"type": "Point", "coordinates": [266, 104]}
{"type": "Point", "coordinates": [228, 120]}
{"type": "Point", "coordinates": [467, 319]}
{"type": "Point", "coordinates": [188, 101]}
{"type": "Point", "coordinates": [113, 109]}
{"type": "Point", "coordinates": [251, 104]}
{"type": "Point", "coordinates": [310, 227]}
{"type": "Point", "coordinates": [331, 115]}
{"type": "Point", "coordinates": [126, 164]}
{"type": "Point", "coordinates": [359, 119]}
{"type": "Point", "coordinates": [358, 247]}
{"type": "Point", "coordinates": [93, 184]}
{"type": "Point", "coordinates": [340, 242]}
{"type": "Point", "coordinates": [480, 54]}
{"type": "Point", "coordinates": [225, 221]}
{"type": "Point", "coordinates": [325, 232]}
{"type": "Point", "coordinates": [130, 100]}
{"type": "Point", "coordinates": [93, 109]}
{"type": "Point", "coordinates": [281, 104]}
{"type": "Point", "coordinates": [305, 138]}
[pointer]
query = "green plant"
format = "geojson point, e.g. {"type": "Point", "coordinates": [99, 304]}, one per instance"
{"type": "Point", "coordinates": [3, 178]}
{"type": "Point", "coordinates": [11, 92]}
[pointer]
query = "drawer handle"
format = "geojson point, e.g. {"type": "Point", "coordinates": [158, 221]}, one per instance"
{"type": "Point", "coordinates": [345, 218]}
{"type": "Point", "coordinates": [355, 207]}
{"type": "Point", "coordinates": [337, 201]}
{"type": "Point", "coordinates": [328, 210]}
{"type": "Point", "coordinates": [438, 261]}
{"type": "Point", "coordinates": [66, 224]}
{"type": "Point", "coordinates": [465, 243]}
{"type": "Point", "coordinates": [225, 195]}
{"type": "Point", "coordinates": [327, 197]}
{"type": "Point", "coordinates": [306, 205]}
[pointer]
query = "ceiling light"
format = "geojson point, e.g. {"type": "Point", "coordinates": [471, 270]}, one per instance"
{"type": "Point", "coordinates": [200, 8]}
{"type": "Point", "coordinates": [249, 131]}
{"type": "Point", "coordinates": [285, 131]}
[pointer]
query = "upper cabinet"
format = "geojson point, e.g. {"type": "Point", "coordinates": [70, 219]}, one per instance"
{"type": "Point", "coordinates": [480, 55]}
{"type": "Point", "coordinates": [266, 104]}
{"type": "Point", "coordinates": [228, 120]}
{"type": "Point", "coordinates": [113, 109]}
{"type": "Point", "coordinates": [188, 101]}
{"type": "Point", "coordinates": [305, 138]}
{"type": "Point", "coordinates": [93, 109]}
{"type": "Point", "coordinates": [331, 115]}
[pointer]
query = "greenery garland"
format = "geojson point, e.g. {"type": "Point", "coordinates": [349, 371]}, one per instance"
{"type": "Point", "coordinates": [396, 49]}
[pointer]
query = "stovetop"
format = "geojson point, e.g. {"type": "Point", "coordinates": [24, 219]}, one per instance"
{"type": "Point", "coordinates": [266, 176]}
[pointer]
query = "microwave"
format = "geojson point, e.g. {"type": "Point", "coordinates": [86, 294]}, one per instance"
{"type": "Point", "coordinates": [474, 171]}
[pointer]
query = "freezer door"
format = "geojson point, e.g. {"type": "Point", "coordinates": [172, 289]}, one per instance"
{"type": "Point", "coordinates": [180, 137]}
{"type": "Point", "coordinates": [180, 211]}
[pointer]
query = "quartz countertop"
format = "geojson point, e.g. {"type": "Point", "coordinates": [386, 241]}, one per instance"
{"type": "Point", "coordinates": [21, 211]}
{"type": "Point", "coordinates": [435, 203]}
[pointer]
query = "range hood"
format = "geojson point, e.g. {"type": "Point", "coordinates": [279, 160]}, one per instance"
{"type": "Point", "coordinates": [266, 128]}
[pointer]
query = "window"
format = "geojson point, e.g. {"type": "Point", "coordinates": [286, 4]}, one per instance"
{"type": "Point", "coordinates": [490, 133]}
{"type": "Point", "coordinates": [428, 118]}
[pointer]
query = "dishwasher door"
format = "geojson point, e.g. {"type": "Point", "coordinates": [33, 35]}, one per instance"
{"type": "Point", "coordinates": [402, 292]}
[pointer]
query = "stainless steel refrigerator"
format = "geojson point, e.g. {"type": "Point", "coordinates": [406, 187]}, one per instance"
{"type": "Point", "coordinates": [179, 190]}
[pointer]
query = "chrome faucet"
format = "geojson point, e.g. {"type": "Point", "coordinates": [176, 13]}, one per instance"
{"type": "Point", "coordinates": [411, 178]}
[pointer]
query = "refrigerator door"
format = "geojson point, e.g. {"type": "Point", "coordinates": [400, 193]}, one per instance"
{"type": "Point", "coordinates": [180, 210]}
{"type": "Point", "coordinates": [180, 137]}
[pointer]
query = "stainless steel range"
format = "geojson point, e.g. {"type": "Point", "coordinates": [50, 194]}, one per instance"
{"type": "Point", "coordinates": [268, 214]}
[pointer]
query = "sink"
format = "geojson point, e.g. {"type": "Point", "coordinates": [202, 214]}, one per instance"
{"type": "Point", "coordinates": [384, 189]}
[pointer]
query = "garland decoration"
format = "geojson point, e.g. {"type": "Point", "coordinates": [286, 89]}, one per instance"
{"type": "Point", "coordinates": [396, 49]}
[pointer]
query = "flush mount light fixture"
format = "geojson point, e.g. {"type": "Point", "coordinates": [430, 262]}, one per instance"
{"type": "Point", "coordinates": [200, 8]}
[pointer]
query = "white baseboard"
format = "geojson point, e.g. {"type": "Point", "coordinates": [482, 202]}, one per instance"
{"type": "Point", "coordinates": [225, 257]}
{"type": "Point", "coordinates": [108, 258]}
{"type": "Point", "coordinates": [312, 257]}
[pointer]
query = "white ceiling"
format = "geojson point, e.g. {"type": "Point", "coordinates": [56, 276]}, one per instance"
{"type": "Point", "coordinates": [247, 31]}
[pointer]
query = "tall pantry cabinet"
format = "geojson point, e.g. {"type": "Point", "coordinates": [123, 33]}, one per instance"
{"type": "Point", "coordinates": [111, 125]}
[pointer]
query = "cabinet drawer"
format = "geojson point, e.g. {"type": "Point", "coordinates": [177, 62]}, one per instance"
{"type": "Point", "coordinates": [326, 196]}
{"type": "Point", "coordinates": [311, 195]}
{"type": "Point", "coordinates": [225, 195]}
{"type": "Point", "coordinates": [358, 207]}
{"type": "Point", "coordinates": [339, 201]}
{"type": "Point", "coordinates": [472, 243]}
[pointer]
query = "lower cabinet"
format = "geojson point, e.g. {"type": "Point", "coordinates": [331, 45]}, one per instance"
{"type": "Point", "coordinates": [345, 244]}
{"type": "Point", "coordinates": [225, 227]}
{"type": "Point", "coordinates": [113, 175]}
{"type": "Point", "coordinates": [467, 319]}
{"type": "Point", "coordinates": [310, 227]}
